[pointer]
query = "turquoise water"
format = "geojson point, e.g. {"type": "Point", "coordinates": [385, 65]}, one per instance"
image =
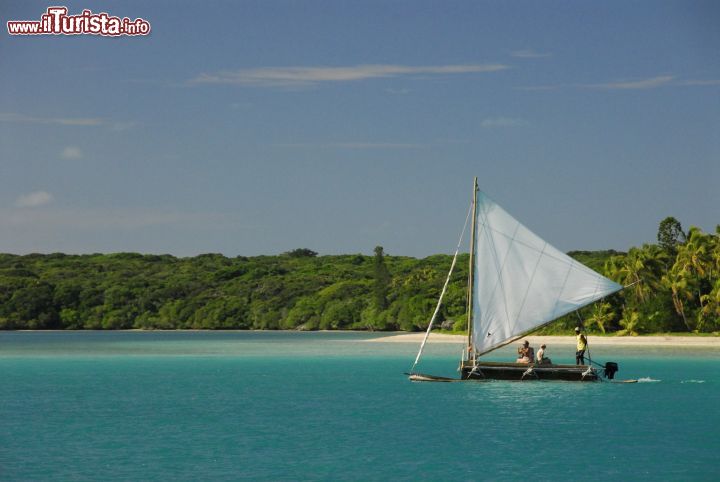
{"type": "Point", "coordinates": [298, 406]}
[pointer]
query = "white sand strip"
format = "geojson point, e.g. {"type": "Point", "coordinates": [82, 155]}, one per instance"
{"type": "Point", "coordinates": [705, 341]}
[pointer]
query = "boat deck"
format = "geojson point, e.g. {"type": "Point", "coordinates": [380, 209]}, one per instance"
{"type": "Point", "coordinates": [526, 371]}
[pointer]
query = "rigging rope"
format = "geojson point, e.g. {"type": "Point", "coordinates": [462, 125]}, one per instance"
{"type": "Point", "coordinates": [442, 293]}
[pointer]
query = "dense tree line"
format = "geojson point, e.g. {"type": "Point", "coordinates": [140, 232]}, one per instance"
{"type": "Point", "coordinates": [674, 286]}
{"type": "Point", "coordinates": [296, 290]}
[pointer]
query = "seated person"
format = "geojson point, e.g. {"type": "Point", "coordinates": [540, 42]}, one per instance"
{"type": "Point", "coordinates": [526, 354]}
{"type": "Point", "coordinates": [541, 358]}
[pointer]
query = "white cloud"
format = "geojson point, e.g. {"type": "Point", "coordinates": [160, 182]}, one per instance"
{"type": "Point", "coordinates": [34, 199]}
{"type": "Point", "coordinates": [641, 84]}
{"type": "Point", "coordinates": [359, 145]}
{"type": "Point", "coordinates": [650, 83]}
{"type": "Point", "coordinates": [72, 153]}
{"type": "Point", "coordinates": [63, 121]}
{"type": "Point", "coordinates": [533, 88]}
{"type": "Point", "coordinates": [294, 76]}
{"type": "Point", "coordinates": [122, 126]}
{"type": "Point", "coordinates": [502, 122]}
{"type": "Point", "coordinates": [701, 82]}
{"type": "Point", "coordinates": [529, 54]}
{"type": "Point", "coordinates": [376, 145]}
{"type": "Point", "coordinates": [398, 91]}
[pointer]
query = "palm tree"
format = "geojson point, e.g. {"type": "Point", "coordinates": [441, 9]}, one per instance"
{"type": "Point", "coordinates": [695, 262]}
{"type": "Point", "coordinates": [677, 284]}
{"type": "Point", "coordinates": [630, 322]}
{"type": "Point", "coordinates": [711, 309]}
{"type": "Point", "coordinates": [640, 268]}
{"type": "Point", "coordinates": [602, 313]}
{"type": "Point", "coordinates": [695, 255]}
{"type": "Point", "coordinates": [716, 250]}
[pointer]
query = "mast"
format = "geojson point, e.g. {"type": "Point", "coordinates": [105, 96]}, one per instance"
{"type": "Point", "coordinates": [471, 274]}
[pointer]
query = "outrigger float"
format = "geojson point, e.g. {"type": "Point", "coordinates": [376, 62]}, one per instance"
{"type": "Point", "coordinates": [517, 284]}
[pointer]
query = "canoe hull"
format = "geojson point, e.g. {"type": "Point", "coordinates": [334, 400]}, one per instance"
{"type": "Point", "coordinates": [525, 372]}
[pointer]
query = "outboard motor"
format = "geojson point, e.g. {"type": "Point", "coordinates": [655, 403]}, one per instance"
{"type": "Point", "coordinates": [610, 369]}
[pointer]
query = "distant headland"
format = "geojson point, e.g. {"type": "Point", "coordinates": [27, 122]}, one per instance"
{"type": "Point", "coordinates": [671, 287]}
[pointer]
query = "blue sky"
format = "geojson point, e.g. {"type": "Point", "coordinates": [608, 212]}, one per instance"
{"type": "Point", "coordinates": [252, 128]}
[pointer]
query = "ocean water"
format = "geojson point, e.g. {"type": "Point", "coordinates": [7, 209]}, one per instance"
{"type": "Point", "coordinates": [331, 406]}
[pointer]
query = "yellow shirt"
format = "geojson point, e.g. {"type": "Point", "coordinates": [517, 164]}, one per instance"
{"type": "Point", "coordinates": [581, 342]}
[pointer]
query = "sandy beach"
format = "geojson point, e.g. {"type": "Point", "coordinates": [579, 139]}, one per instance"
{"type": "Point", "coordinates": [700, 341]}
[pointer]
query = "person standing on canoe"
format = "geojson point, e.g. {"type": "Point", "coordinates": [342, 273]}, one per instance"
{"type": "Point", "coordinates": [581, 347]}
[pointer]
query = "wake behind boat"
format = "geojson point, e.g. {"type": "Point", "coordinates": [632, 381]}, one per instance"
{"type": "Point", "coordinates": [518, 283]}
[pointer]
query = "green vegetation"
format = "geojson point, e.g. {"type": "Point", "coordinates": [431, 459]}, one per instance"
{"type": "Point", "coordinates": [675, 287]}
{"type": "Point", "coordinates": [295, 290]}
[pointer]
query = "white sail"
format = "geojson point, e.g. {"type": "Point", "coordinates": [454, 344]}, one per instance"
{"type": "Point", "coordinates": [522, 282]}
